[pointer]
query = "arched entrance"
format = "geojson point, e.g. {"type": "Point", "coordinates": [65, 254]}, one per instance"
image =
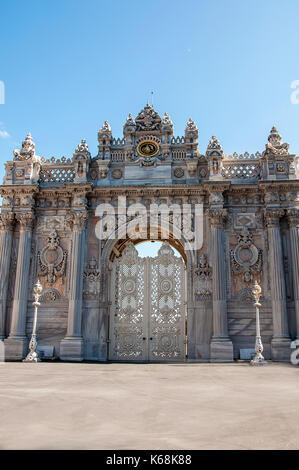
{"type": "Point", "coordinates": [147, 320]}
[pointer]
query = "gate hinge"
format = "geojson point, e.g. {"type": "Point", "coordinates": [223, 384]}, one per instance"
{"type": "Point", "coordinates": [108, 341]}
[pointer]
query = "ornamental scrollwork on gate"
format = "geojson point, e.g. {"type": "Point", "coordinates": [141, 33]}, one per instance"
{"type": "Point", "coordinates": [52, 259]}
{"type": "Point", "coordinates": [246, 258]}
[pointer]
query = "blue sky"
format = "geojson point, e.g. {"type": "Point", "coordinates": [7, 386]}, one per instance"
{"type": "Point", "coordinates": [68, 65]}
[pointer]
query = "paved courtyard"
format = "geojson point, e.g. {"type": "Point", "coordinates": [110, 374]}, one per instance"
{"type": "Point", "coordinates": [148, 406]}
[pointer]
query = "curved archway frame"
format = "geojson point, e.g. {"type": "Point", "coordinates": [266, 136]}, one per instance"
{"type": "Point", "coordinates": [113, 248]}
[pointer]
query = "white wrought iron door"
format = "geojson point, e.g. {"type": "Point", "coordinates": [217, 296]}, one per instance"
{"type": "Point", "coordinates": [147, 319]}
{"type": "Point", "coordinates": [167, 306]}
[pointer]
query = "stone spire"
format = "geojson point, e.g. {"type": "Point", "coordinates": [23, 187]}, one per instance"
{"type": "Point", "coordinates": [105, 132]}
{"type": "Point", "coordinates": [166, 124]}
{"type": "Point", "coordinates": [191, 131]}
{"type": "Point", "coordinates": [275, 145]}
{"type": "Point", "coordinates": [81, 159]}
{"type": "Point", "coordinates": [27, 151]}
{"type": "Point", "coordinates": [130, 125]}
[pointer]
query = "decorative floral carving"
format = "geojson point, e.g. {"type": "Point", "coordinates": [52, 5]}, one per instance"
{"type": "Point", "coordinates": [203, 294]}
{"type": "Point", "coordinates": [217, 216]}
{"type": "Point", "coordinates": [214, 148]}
{"type": "Point", "coordinates": [27, 151]}
{"type": "Point", "coordinates": [191, 130]}
{"type": "Point", "coordinates": [272, 196]}
{"type": "Point", "coordinates": [245, 295]}
{"type": "Point", "coordinates": [167, 123]}
{"type": "Point", "coordinates": [203, 284]}
{"type": "Point", "coordinates": [272, 216]}
{"type": "Point", "coordinates": [7, 220]}
{"type": "Point", "coordinates": [130, 125]}
{"type": "Point", "coordinates": [246, 258]}
{"type": "Point", "coordinates": [91, 278]}
{"type": "Point", "coordinates": [50, 295]}
{"type": "Point", "coordinates": [93, 174]}
{"type": "Point", "coordinates": [52, 259]}
{"type": "Point", "coordinates": [77, 219]}
{"type": "Point", "coordinates": [148, 119]}
{"type": "Point", "coordinates": [20, 172]}
{"type": "Point", "coordinates": [275, 146]}
{"type": "Point", "coordinates": [203, 271]}
{"type": "Point", "coordinates": [293, 217]}
{"type": "Point", "coordinates": [105, 132]}
{"type": "Point", "coordinates": [215, 155]}
{"type": "Point", "coordinates": [82, 151]}
{"type": "Point", "coordinates": [25, 219]}
{"type": "Point", "coordinates": [216, 197]}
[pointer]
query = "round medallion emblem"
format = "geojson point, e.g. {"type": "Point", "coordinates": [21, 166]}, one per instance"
{"type": "Point", "coordinates": [117, 174]}
{"type": "Point", "coordinates": [166, 286]}
{"type": "Point", "coordinates": [148, 148]}
{"type": "Point", "coordinates": [129, 286]}
{"type": "Point", "coordinates": [165, 342]}
{"type": "Point", "coordinates": [179, 172]}
{"type": "Point", "coordinates": [246, 255]}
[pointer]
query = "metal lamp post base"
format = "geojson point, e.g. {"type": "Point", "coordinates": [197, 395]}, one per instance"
{"type": "Point", "coordinates": [258, 361]}
{"type": "Point", "coordinates": [33, 355]}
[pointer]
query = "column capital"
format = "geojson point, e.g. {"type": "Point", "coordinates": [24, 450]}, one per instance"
{"type": "Point", "coordinates": [217, 216]}
{"type": "Point", "coordinates": [273, 215]}
{"type": "Point", "coordinates": [293, 217]}
{"type": "Point", "coordinates": [7, 221]}
{"type": "Point", "coordinates": [77, 220]}
{"type": "Point", "coordinates": [26, 220]}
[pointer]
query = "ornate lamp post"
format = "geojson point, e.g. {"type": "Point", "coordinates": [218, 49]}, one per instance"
{"type": "Point", "coordinates": [33, 355]}
{"type": "Point", "coordinates": [258, 359]}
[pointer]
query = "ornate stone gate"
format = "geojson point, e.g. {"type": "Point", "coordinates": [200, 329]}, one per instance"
{"type": "Point", "coordinates": [148, 314]}
{"type": "Point", "coordinates": [250, 223]}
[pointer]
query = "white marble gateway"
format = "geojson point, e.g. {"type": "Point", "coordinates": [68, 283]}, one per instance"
{"type": "Point", "coordinates": [100, 301]}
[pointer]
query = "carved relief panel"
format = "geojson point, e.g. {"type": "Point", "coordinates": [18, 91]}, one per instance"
{"type": "Point", "coordinates": [203, 279]}
{"type": "Point", "coordinates": [51, 265]}
{"type": "Point", "coordinates": [246, 264]}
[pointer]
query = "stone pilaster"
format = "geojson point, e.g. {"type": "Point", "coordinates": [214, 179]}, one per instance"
{"type": "Point", "coordinates": [293, 218]}
{"type": "Point", "coordinates": [6, 233]}
{"type": "Point", "coordinates": [280, 345]}
{"type": "Point", "coordinates": [221, 348]}
{"type": "Point", "coordinates": [16, 343]}
{"type": "Point", "coordinates": [72, 346]}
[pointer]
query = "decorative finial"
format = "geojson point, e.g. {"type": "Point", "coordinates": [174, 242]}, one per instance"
{"type": "Point", "coordinates": [275, 145]}
{"type": "Point", "coordinates": [82, 150]}
{"type": "Point", "coordinates": [27, 151]}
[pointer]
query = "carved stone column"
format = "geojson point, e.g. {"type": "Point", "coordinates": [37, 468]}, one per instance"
{"type": "Point", "coordinates": [280, 345]}
{"type": "Point", "coordinates": [16, 343]}
{"type": "Point", "coordinates": [221, 347]}
{"type": "Point", "coordinates": [72, 347]}
{"type": "Point", "coordinates": [6, 232]}
{"type": "Point", "coordinates": [293, 217]}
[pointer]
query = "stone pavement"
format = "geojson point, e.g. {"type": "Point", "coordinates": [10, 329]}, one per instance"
{"type": "Point", "coordinates": [148, 406]}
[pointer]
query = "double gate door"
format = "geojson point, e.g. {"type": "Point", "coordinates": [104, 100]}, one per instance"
{"type": "Point", "coordinates": [147, 316]}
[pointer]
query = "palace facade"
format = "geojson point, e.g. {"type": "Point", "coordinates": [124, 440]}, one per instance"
{"type": "Point", "coordinates": [100, 300]}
